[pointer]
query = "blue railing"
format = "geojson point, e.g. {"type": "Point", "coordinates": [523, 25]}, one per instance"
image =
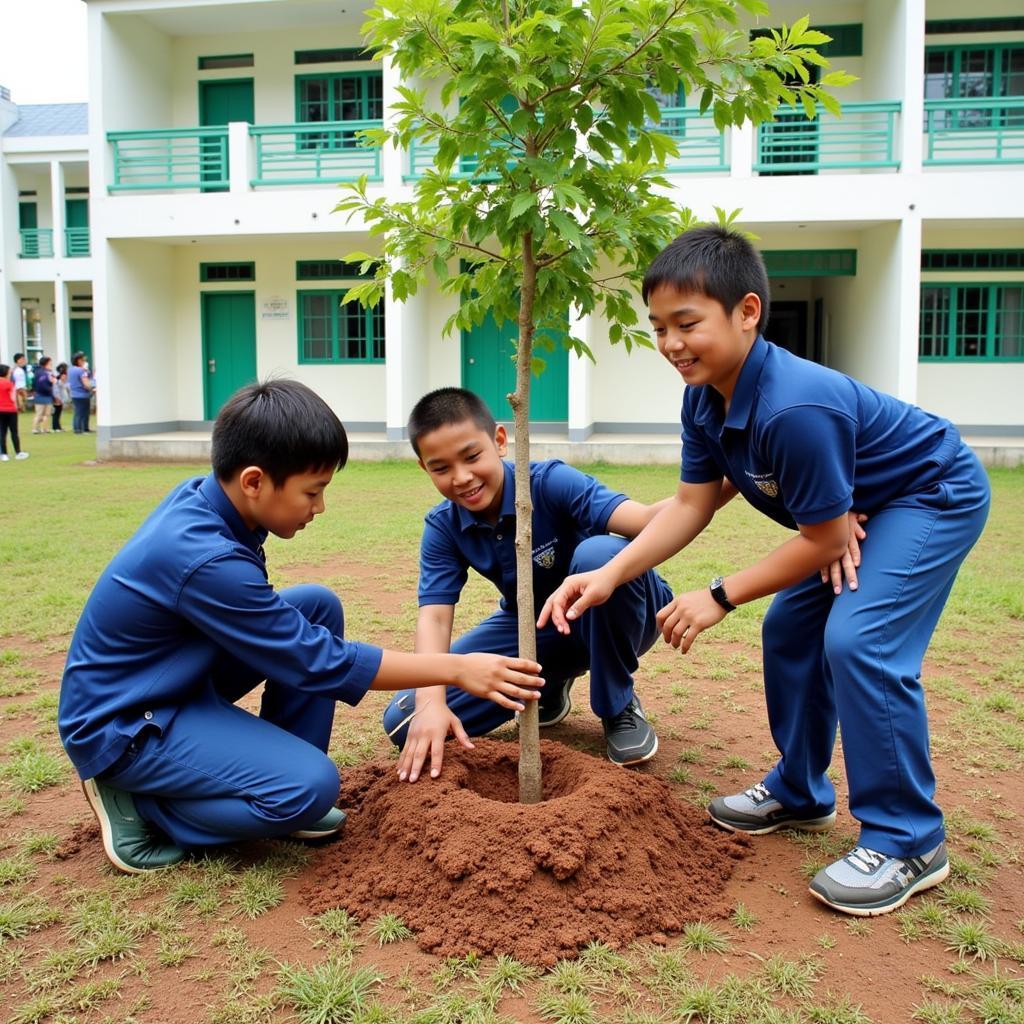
{"type": "Point", "coordinates": [76, 241]}
{"type": "Point", "coordinates": [974, 131]}
{"type": "Point", "coordinates": [36, 243]}
{"type": "Point", "coordinates": [172, 158]}
{"type": "Point", "coordinates": [306, 154]}
{"type": "Point", "coordinates": [701, 145]}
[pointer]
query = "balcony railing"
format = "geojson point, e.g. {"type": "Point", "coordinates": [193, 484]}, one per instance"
{"type": "Point", "coordinates": [76, 241]}
{"type": "Point", "coordinates": [36, 243]}
{"type": "Point", "coordinates": [308, 154]}
{"type": "Point", "coordinates": [863, 137]}
{"type": "Point", "coordinates": [974, 131]}
{"type": "Point", "coordinates": [170, 158]}
{"type": "Point", "coordinates": [701, 145]}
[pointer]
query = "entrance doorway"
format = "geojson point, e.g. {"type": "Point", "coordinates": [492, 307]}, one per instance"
{"type": "Point", "coordinates": [229, 346]}
{"type": "Point", "coordinates": [81, 337]}
{"type": "Point", "coordinates": [221, 103]}
{"type": "Point", "coordinates": [787, 327]}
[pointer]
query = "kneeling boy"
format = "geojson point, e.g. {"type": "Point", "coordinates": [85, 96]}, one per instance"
{"type": "Point", "coordinates": [459, 445]}
{"type": "Point", "coordinates": [183, 622]}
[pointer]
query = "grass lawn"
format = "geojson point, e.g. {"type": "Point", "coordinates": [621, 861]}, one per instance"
{"type": "Point", "coordinates": [227, 940]}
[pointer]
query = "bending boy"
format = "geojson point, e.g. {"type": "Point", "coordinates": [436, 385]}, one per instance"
{"type": "Point", "coordinates": [461, 448]}
{"type": "Point", "coordinates": [805, 445]}
{"type": "Point", "coordinates": [183, 622]}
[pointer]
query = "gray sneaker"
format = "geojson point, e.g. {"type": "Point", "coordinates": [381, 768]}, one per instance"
{"type": "Point", "coordinates": [756, 812]}
{"type": "Point", "coordinates": [629, 737]}
{"type": "Point", "coordinates": [866, 883]}
{"type": "Point", "coordinates": [555, 702]}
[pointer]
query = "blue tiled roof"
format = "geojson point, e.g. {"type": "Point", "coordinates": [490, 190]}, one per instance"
{"type": "Point", "coordinates": [51, 119]}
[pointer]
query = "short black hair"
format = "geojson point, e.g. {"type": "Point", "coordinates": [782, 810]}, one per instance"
{"type": "Point", "coordinates": [3, 369]}
{"type": "Point", "coordinates": [45, 360]}
{"type": "Point", "coordinates": [19, 355]}
{"type": "Point", "coordinates": [283, 427]}
{"type": "Point", "coordinates": [445, 406]}
{"type": "Point", "coordinates": [713, 261]}
{"type": "Point", "coordinates": [76, 357]}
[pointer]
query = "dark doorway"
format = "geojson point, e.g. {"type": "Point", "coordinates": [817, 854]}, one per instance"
{"type": "Point", "coordinates": [787, 327]}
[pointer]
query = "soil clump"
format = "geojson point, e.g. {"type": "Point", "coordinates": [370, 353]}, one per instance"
{"type": "Point", "coordinates": [610, 855]}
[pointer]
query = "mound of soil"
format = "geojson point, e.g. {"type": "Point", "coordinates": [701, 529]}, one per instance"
{"type": "Point", "coordinates": [609, 855]}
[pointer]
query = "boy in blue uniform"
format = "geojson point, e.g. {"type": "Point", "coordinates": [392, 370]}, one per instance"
{"type": "Point", "coordinates": [806, 445]}
{"type": "Point", "coordinates": [461, 448]}
{"type": "Point", "coordinates": [183, 622]}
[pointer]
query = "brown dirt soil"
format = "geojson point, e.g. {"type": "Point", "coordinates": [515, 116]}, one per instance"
{"type": "Point", "coordinates": [608, 855]}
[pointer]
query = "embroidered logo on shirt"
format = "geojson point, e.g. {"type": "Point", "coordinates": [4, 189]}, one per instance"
{"type": "Point", "coordinates": [764, 483]}
{"type": "Point", "coordinates": [544, 556]}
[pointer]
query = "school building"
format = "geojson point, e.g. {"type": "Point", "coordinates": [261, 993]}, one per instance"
{"type": "Point", "coordinates": [218, 133]}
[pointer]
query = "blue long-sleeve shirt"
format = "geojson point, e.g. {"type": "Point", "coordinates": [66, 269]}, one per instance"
{"type": "Point", "coordinates": [186, 598]}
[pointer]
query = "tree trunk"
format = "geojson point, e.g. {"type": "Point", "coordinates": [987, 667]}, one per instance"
{"type": "Point", "coordinates": [530, 779]}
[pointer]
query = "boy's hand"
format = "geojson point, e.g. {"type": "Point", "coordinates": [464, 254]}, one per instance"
{"type": "Point", "coordinates": [576, 594]}
{"type": "Point", "coordinates": [427, 734]}
{"type": "Point", "coordinates": [499, 679]}
{"type": "Point", "coordinates": [689, 614]}
{"type": "Point", "coordinates": [848, 564]}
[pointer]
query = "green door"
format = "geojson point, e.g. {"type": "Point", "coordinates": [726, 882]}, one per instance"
{"type": "Point", "coordinates": [220, 103]}
{"type": "Point", "coordinates": [76, 224]}
{"type": "Point", "coordinates": [489, 370]}
{"type": "Point", "coordinates": [229, 346]}
{"type": "Point", "coordinates": [27, 216]}
{"type": "Point", "coordinates": [81, 337]}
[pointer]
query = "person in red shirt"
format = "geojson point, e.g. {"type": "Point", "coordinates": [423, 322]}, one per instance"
{"type": "Point", "coordinates": [9, 415]}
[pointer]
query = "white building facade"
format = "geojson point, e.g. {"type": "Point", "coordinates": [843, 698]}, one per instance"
{"type": "Point", "coordinates": [219, 133]}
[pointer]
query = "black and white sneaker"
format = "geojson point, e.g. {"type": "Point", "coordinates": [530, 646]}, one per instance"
{"type": "Point", "coordinates": [866, 883]}
{"type": "Point", "coordinates": [756, 812]}
{"type": "Point", "coordinates": [555, 703]}
{"type": "Point", "coordinates": [629, 737]}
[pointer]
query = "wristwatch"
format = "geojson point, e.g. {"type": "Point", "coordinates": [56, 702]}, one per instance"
{"type": "Point", "coordinates": [717, 586]}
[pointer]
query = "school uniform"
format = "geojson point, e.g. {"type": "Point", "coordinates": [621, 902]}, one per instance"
{"type": "Point", "coordinates": [570, 521]}
{"type": "Point", "coordinates": [182, 623]}
{"type": "Point", "coordinates": [805, 444]}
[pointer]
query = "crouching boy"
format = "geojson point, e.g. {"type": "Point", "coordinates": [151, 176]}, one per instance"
{"type": "Point", "coordinates": [183, 622]}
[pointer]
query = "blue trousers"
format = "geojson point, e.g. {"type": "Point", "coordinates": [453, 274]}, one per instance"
{"type": "Point", "coordinates": [607, 640]}
{"type": "Point", "coordinates": [856, 660]}
{"type": "Point", "coordinates": [218, 773]}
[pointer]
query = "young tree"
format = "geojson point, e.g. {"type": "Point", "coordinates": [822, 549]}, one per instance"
{"type": "Point", "coordinates": [545, 192]}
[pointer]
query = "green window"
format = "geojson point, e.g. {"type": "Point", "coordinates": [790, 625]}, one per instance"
{"type": "Point", "coordinates": [347, 96]}
{"type": "Point", "coordinates": [976, 322]}
{"type": "Point", "coordinates": [332, 331]}
{"type": "Point", "coordinates": [975, 71]}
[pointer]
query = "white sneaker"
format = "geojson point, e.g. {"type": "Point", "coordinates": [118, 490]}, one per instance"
{"type": "Point", "coordinates": [5, 457]}
{"type": "Point", "coordinates": [21, 455]}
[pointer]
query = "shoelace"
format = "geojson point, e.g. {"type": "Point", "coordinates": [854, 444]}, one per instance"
{"type": "Point", "coordinates": [758, 793]}
{"type": "Point", "coordinates": [625, 718]}
{"type": "Point", "coordinates": [866, 860]}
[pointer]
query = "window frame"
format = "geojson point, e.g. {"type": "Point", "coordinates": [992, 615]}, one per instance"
{"type": "Point", "coordinates": [991, 312]}
{"type": "Point", "coordinates": [370, 315]}
{"type": "Point", "coordinates": [956, 50]}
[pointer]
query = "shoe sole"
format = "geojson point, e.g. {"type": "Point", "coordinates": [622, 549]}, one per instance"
{"type": "Point", "coordinates": [562, 715]}
{"type": "Point", "coordinates": [822, 824]}
{"type": "Point", "coordinates": [96, 803]}
{"type": "Point", "coordinates": [310, 834]}
{"type": "Point", "coordinates": [925, 881]}
{"type": "Point", "coordinates": [636, 760]}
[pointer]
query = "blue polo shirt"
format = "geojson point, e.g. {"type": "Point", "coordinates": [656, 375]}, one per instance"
{"type": "Point", "coordinates": [188, 595]}
{"type": "Point", "coordinates": [804, 444]}
{"type": "Point", "coordinates": [568, 507]}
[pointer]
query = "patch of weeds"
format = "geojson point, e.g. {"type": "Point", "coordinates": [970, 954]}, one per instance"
{"type": "Point", "coordinates": [567, 1007]}
{"type": "Point", "coordinates": [174, 949]}
{"type": "Point", "coordinates": [509, 974]}
{"type": "Point", "coordinates": [259, 890]}
{"type": "Point", "coordinates": [57, 968]}
{"type": "Point", "coordinates": [43, 843]}
{"type": "Point", "coordinates": [32, 767]}
{"type": "Point", "coordinates": [679, 774]}
{"type": "Point", "coordinates": [966, 871]}
{"type": "Point", "coordinates": [102, 930]}
{"type": "Point", "coordinates": [946, 988]}
{"type": "Point", "coordinates": [11, 807]}
{"type": "Point", "coordinates": [570, 978]}
{"type": "Point", "coordinates": [743, 917]}
{"type": "Point", "coordinates": [389, 928]}
{"type": "Point", "coordinates": [605, 962]}
{"type": "Point", "coordinates": [792, 977]}
{"type": "Point", "coordinates": [246, 963]}
{"type": "Point", "coordinates": [837, 1010]}
{"type": "Point", "coordinates": [931, 1011]}
{"type": "Point", "coordinates": [826, 941]}
{"type": "Point", "coordinates": [91, 994]}
{"type": "Point", "coordinates": [328, 993]}
{"type": "Point", "coordinates": [961, 900]}
{"type": "Point", "coordinates": [859, 926]}
{"type": "Point", "coordinates": [251, 1010]}
{"type": "Point", "coordinates": [456, 968]}
{"type": "Point", "coordinates": [737, 763]}
{"type": "Point", "coordinates": [16, 870]}
{"type": "Point", "coordinates": [670, 972]}
{"type": "Point", "coordinates": [197, 893]}
{"type": "Point", "coordinates": [702, 1002]}
{"type": "Point", "coordinates": [959, 823]}
{"type": "Point", "coordinates": [337, 923]}
{"type": "Point", "coordinates": [972, 939]}
{"type": "Point", "coordinates": [36, 1010]}
{"type": "Point", "coordinates": [21, 916]}
{"type": "Point", "coordinates": [701, 938]}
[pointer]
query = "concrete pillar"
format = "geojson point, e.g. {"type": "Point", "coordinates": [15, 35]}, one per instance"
{"type": "Point", "coordinates": [241, 162]}
{"type": "Point", "coordinates": [912, 116]}
{"type": "Point", "coordinates": [392, 157]}
{"type": "Point", "coordinates": [908, 268]}
{"type": "Point", "coordinates": [394, 366]}
{"type": "Point", "coordinates": [742, 145]}
{"type": "Point", "coordinates": [581, 418]}
{"type": "Point", "coordinates": [62, 340]}
{"type": "Point", "coordinates": [57, 208]}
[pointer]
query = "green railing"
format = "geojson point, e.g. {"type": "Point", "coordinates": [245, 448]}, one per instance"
{"type": "Point", "coordinates": [36, 243]}
{"type": "Point", "coordinates": [170, 158]}
{"type": "Point", "coordinates": [701, 145]}
{"type": "Point", "coordinates": [863, 137]}
{"type": "Point", "coordinates": [76, 241]}
{"type": "Point", "coordinates": [305, 154]}
{"type": "Point", "coordinates": [974, 131]}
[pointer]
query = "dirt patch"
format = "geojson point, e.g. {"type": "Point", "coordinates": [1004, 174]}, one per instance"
{"type": "Point", "coordinates": [609, 856]}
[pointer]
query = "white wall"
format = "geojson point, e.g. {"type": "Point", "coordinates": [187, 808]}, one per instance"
{"type": "Point", "coordinates": [986, 394]}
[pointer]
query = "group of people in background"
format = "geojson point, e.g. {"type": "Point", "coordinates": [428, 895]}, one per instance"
{"type": "Point", "coordinates": [53, 389]}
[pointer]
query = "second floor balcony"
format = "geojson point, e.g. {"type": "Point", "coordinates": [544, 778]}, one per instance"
{"type": "Point", "coordinates": [36, 243]}
{"type": "Point", "coordinates": [975, 130]}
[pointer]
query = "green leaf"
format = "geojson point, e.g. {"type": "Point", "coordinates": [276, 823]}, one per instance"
{"type": "Point", "coordinates": [521, 203]}
{"type": "Point", "coordinates": [476, 30]}
{"type": "Point", "coordinates": [567, 228]}
{"type": "Point", "coordinates": [807, 101]}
